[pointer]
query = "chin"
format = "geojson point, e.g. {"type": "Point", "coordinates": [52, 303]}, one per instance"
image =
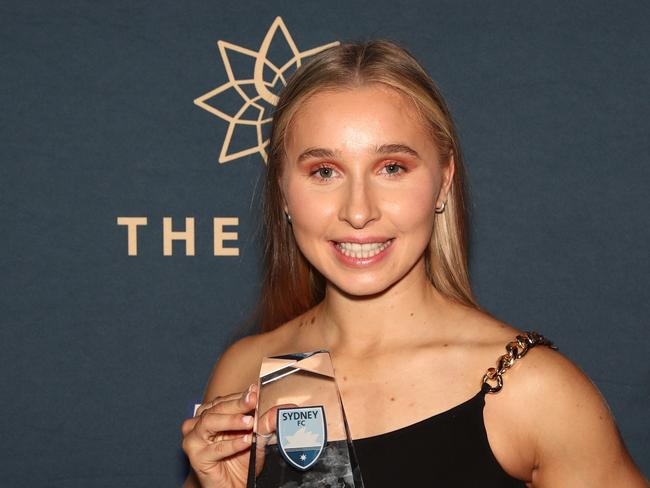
{"type": "Point", "coordinates": [374, 287]}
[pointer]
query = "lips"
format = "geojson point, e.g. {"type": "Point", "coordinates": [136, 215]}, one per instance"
{"type": "Point", "coordinates": [362, 250]}
{"type": "Point", "coordinates": [357, 254]}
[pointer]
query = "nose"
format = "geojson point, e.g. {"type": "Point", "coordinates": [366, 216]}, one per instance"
{"type": "Point", "coordinates": [359, 206]}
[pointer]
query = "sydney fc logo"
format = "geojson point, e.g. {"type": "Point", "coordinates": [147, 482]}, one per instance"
{"type": "Point", "coordinates": [302, 435]}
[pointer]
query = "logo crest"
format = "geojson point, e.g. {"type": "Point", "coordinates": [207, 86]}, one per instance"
{"type": "Point", "coordinates": [302, 435]}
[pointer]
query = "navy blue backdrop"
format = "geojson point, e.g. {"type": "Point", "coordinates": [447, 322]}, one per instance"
{"type": "Point", "coordinates": [103, 353]}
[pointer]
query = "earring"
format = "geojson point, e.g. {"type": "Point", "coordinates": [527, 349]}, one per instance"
{"type": "Point", "coordinates": [440, 209]}
{"type": "Point", "coordinates": [288, 217]}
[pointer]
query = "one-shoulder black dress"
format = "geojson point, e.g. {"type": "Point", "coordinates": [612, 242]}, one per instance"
{"type": "Point", "coordinates": [447, 450]}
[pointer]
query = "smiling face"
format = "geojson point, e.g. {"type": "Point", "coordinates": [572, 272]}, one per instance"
{"type": "Point", "coordinates": [361, 179]}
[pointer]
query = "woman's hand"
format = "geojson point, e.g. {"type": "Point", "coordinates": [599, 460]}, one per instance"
{"type": "Point", "coordinates": [217, 439]}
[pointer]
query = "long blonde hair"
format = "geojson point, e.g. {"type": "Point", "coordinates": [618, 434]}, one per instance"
{"type": "Point", "coordinates": [291, 285]}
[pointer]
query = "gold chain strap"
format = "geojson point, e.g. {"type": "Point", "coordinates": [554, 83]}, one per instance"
{"type": "Point", "coordinates": [515, 350]}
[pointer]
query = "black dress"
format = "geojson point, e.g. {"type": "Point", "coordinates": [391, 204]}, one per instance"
{"type": "Point", "coordinates": [447, 450]}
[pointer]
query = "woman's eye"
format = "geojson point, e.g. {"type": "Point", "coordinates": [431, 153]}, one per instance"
{"type": "Point", "coordinates": [324, 172]}
{"type": "Point", "coordinates": [393, 168]}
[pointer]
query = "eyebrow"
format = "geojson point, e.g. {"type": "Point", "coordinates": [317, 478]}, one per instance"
{"type": "Point", "coordinates": [321, 152]}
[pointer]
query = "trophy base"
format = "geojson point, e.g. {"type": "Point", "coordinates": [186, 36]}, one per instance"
{"type": "Point", "coordinates": [334, 469]}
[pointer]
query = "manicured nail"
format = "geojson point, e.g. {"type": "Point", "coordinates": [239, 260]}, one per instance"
{"type": "Point", "coordinates": [247, 419]}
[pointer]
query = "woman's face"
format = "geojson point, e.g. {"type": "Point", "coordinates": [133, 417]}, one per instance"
{"type": "Point", "coordinates": [361, 180]}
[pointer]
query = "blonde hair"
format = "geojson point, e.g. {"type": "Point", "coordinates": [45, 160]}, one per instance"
{"type": "Point", "coordinates": [291, 285]}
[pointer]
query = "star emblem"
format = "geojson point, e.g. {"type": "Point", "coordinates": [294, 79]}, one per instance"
{"type": "Point", "coordinates": [303, 457]}
{"type": "Point", "coordinates": [256, 92]}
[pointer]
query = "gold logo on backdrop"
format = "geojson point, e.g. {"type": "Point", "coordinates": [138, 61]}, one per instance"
{"type": "Point", "coordinates": [257, 92]}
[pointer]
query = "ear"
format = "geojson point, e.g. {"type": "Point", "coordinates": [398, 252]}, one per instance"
{"type": "Point", "coordinates": [447, 177]}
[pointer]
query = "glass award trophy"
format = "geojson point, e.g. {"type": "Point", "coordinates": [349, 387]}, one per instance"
{"type": "Point", "coordinates": [305, 442]}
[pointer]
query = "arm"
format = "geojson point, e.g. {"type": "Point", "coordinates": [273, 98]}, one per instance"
{"type": "Point", "coordinates": [576, 441]}
{"type": "Point", "coordinates": [237, 367]}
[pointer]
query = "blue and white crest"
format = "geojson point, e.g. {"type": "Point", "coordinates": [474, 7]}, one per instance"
{"type": "Point", "coordinates": [302, 435]}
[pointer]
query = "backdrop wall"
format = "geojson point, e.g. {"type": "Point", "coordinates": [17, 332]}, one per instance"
{"type": "Point", "coordinates": [116, 115]}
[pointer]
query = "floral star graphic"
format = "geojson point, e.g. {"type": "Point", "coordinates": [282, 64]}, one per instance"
{"type": "Point", "coordinates": [265, 90]}
{"type": "Point", "coordinates": [303, 457]}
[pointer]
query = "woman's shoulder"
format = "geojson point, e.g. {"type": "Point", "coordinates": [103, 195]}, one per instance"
{"type": "Point", "coordinates": [543, 381]}
{"type": "Point", "coordinates": [546, 385]}
{"type": "Point", "coordinates": [547, 410]}
{"type": "Point", "coordinates": [550, 415]}
{"type": "Point", "coordinates": [239, 365]}
{"type": "Point", "coordinates": [542, 366]}
{"type": "Point", "coordinates": [560, 423]}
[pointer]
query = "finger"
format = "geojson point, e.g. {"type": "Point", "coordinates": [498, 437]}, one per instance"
{"type": "Point", "coordinates": [230, 407]}
{"type": "Point", "coordinates": [214, 401]}
{"type": "Point", "coordinates": [267, 423]}
{"type": "Point", "coordinates": [188, 425]}
{"type": "Point", "coordinates": [210, 424]}
{"type": "Point", "coordinates": [242, 404]}
{"type": "Point", "coordinates": [207, 454]}
{"type": "Point", "coordinates": [217, 451]}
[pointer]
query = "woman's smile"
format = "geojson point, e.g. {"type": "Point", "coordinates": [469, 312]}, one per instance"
{"type": "Point", "coordinates": [357, 254]}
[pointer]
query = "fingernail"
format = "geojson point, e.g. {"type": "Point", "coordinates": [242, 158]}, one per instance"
{"type": "Point", "coordinates": [253, 387]}
{"type": "Point", "coordinates": [247, 419]}
{"type": "Point", "coordinates": [248, 397]}
{"type": "Point", "coordinates": [247, 438]}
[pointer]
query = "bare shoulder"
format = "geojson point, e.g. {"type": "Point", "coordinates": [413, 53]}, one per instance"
{"type": "Point", "coordinates": [545, 381]}
{"type": "Point", "coordinates": [565, 433]}
{"type": "Point", "coordinates": [239, 365]}
{"type": "Point", "coordinates": [233, 368]}
{"type": "Point", "coordinates": [485, 335]}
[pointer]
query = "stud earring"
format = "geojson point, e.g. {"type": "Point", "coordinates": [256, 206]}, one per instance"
{"type": "Point", "coordinates": [440, 209]}
{"type": "Point", "coordinates": [288, 217]}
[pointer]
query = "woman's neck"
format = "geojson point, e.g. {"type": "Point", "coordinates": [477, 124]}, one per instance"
{"type": "Point", "coordinates": [407, 313]}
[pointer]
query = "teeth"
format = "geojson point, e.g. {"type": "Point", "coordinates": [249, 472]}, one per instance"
{"type": "Point", "coordinates": [367, 250]}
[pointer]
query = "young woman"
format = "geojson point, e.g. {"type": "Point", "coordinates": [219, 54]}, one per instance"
{"type": "Point", "coordinates": [366, 256]}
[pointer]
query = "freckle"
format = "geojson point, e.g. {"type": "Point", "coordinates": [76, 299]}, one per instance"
{"type": "Point", "coordinates": [411, 314]}
{"type": "Point", "coordinates": [445, 345]}
{"type": "Point", "coordinates": [312, 319]}
{"type": "Point", "coordinates": [411, 404]}
{"type": "Point", "coordinates": [392, 399]}
{"type": "Point", "coordinates": [345, 378]}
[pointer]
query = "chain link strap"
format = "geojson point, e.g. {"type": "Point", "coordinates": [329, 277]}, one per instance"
{"type": "Point", "coordinates": [515, 350]}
